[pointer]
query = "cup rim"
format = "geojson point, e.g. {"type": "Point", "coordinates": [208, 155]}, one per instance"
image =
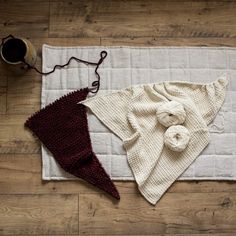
{"type": "Point", "coordinates": [13, 63]}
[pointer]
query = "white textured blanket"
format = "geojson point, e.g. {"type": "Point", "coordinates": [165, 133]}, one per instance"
{"type": "Point", "coordinates": [125, 66]}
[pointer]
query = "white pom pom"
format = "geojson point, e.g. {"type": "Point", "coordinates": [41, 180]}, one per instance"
{"type": "Point", "coordinates": [176, 138]}
{"type": "Point", "coordinates": [171, 113]}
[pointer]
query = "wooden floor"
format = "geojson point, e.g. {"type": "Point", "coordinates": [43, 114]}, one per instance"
{"type": "Point", "coordinates": [29, 206]}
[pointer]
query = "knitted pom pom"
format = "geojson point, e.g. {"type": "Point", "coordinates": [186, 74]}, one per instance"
{"type": "Point", "coordinates": [171, 113]}
{"type": "Point", "coordinates": [176, 138]}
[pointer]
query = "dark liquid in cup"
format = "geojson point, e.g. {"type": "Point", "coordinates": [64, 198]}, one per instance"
{"type": "Point", "coordinates": [14, 50]}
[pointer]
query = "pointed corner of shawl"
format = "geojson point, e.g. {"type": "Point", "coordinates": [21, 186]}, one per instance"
{"type": "Point", "coordinates": [222, 81]}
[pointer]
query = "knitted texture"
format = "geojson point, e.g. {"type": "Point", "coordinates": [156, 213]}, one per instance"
{"type": "Point", "coordinates": [62, 127]}
{"type": "Point", "coordinates": [176, 138]}
{"type": "Point", "coordinates": [171, 113]}
{"type": "Point", "coordinates": [131, 115]}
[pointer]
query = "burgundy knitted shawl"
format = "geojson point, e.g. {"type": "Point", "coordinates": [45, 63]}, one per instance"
{"type": "Point", "coordinates": [63, 128]}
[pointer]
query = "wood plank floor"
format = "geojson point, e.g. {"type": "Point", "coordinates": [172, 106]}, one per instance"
{"type": "Point", "coordinates": [30, 206]}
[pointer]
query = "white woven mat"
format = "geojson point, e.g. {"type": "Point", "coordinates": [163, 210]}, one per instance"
{"type": "Point", "coordinates": [125, 66]}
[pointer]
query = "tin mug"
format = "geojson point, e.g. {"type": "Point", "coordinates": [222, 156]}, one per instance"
{"type": "Point", "coordinates": [15, 51]}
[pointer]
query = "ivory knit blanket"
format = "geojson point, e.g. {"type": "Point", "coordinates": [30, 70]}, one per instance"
{"type": "Point", "coordinates": [126, 66]}
{"type": "Point", "coordinates": [132, 114]}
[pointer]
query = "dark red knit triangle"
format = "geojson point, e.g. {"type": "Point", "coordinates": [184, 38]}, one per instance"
{"type": "Point", "coordinates": [92, 171]}
{"type": "Point", "coordinates": [63, 128]}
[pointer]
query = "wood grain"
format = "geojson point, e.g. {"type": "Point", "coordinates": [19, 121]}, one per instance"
{"type": "Point", "coordinates": [38, 214]}
{"type": "Point", "coordinates": [27, 168]}
{"type": "Point", "coordinates": [3, 72]}
{"type": "Point", "coordinates": [14, 138]}
{"type": "Point", "coordinates": [23, 94]}
{"type": "Point", "coordinates": [3, 94]}
{"type": "Point", "coordinates": [175, 213]}
{"type": "Point", "coordinates": [142, 19]}
{"type": "Point", "coordinates": [164, 41]}
{"type": "Point", "coordinates": [24, 18]}
{"type": "Point", "coordinates": [201, 234]}
{"type": "Point", "coordinates": [21, 174]}
{"type": "Point", "coordinates": [30, 206]}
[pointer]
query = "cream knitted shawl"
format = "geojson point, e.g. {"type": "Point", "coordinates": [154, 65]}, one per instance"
{"type": "Point", "coordinates": [130, 115]}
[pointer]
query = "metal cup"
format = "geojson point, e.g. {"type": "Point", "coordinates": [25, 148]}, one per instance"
{"type": "Point", "coordinates": [15, 51]}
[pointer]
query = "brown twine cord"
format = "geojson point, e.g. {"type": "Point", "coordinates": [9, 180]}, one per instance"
{"type": "Point", "coordinates": [95, 84]}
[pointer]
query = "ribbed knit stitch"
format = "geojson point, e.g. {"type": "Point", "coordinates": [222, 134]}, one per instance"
{"type": "Point", "coordinates": [129, 114]}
